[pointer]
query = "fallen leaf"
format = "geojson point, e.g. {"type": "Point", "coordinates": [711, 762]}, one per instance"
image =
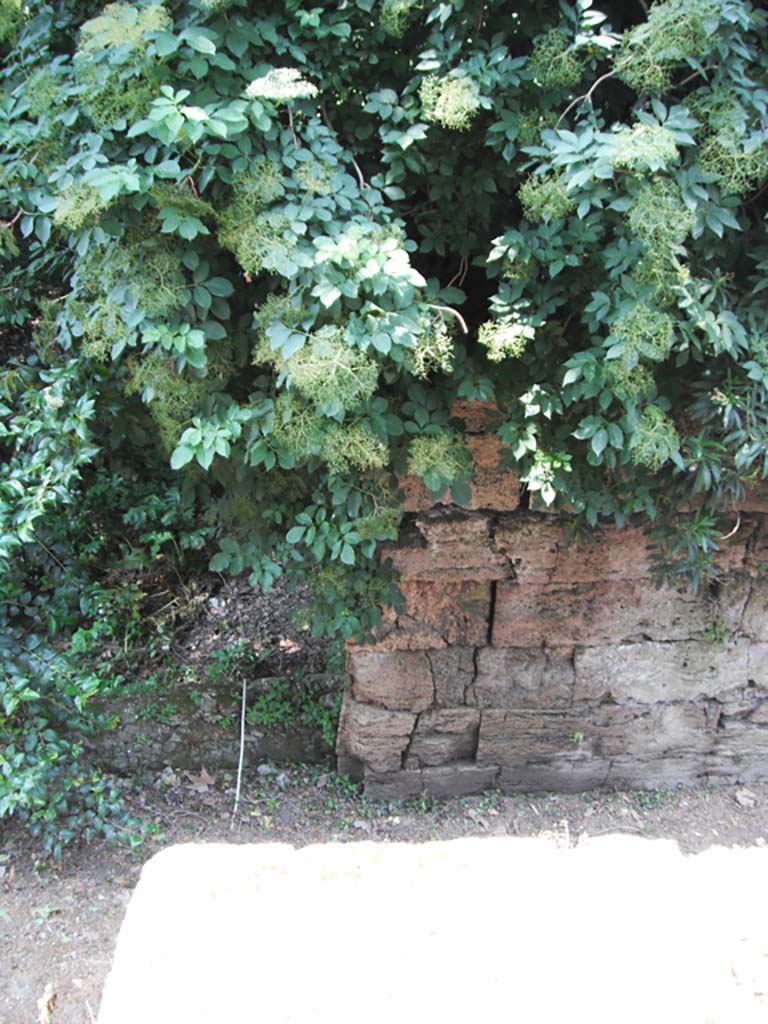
{"type": "Point", "coordinates": [200, 783]}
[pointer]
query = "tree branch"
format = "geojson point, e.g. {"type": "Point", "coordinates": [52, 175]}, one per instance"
{"type": "Point", "coordinates": [453, 312]}
{"type": "Point", "coordinates": [586, 96]}
{"type": "Point", "coordinates": [12, 221]}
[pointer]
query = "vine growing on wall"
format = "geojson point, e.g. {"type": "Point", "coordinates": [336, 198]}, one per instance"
{"type": "Point", "coordinates": [270, 246]}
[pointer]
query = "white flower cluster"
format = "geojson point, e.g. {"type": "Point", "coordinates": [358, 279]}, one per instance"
{"type": "Point", "coordinates": [281, 84]}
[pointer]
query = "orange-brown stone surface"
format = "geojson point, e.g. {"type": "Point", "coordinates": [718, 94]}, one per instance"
{"type": "Point", "coordinates": [400, 680]}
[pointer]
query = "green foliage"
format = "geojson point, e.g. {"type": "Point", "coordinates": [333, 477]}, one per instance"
{"type": "Point", "coordinates": [553, 62]}
{"type": "Point", "coordinates": [654, 440]}
{"type": "Point", "coordinates": [11, 14]}
{"type": "Point", "coordinates": [675, 31]}
{"type": "Point", "coordinates": [451, 102]}
{"type": "Point", "coordinates": [440, 459]}
{"type": "Point", "coordinates": [644, 331]}
{"type": "Point", "coordinates": [545, 197]}
{"type": "Point", "coordinates": [285, 703]}
{"type": "Point", "coordinates": [658, 216]}
{"type": "Point", "coordinates": [394, 15]}
{"type": "Point", "coordinates": [121, 26]}
{"type": "Point", "coordinates": [270, 247]}
{"type": "Point", "coordinates": [505, 340]}
{"type": "Point", "coordinates": [644, 147]}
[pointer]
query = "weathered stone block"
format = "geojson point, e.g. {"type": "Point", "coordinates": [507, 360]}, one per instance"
{"type": "Point", "coordinates": [402, 634]}
{"type": "Point", "coordinates": [458, 779]}
{"type": "Point", "coordinates": [399, 680]}
{"type": "Point", "coordinates": [376, 737]}
{"type": "Point", "coordinates": [563, 776]}
{"type": "Point", "coordinates": [443, 736]}
{"type": "Point", "coordinates": [457, 612]}
{"type": "Point", "coordinates": [456, 546]}
{"type": "Point", "coordinates": [514, 738]}
{"type": "Point", "coordinates": [510, 677]}
{"type": "Point", "coordinates": [453, 670]}
{"type": "Point", "coordinates": [756, 558]}
{"type": "Point", "coordinates": [538, 548]}
{"type": "Point", "coordinates": [669, 728]}
{"type": "Point", "coordinates": [740, 737]}
{"type": "Point", "coordinates": [397, 785]}
{"type": "Point", "coordinates": [728, 611]}
{"type": "Point", "coordinates": [759, 714]}
{"type": "Point", "coordinates": [657, 773]}
{"type": "Point", "coordinates": [728, 766]}
{"type": "Point", "coordinates": [646, 673]}
{"type": "Point", "coordinates": [754, 620]}
{"type": "Point", "coordinates": [594, 613]}
{"type": "Point", "coordinates": [755, 498]}
{"type": "Point", "coordinates": [492, 487]}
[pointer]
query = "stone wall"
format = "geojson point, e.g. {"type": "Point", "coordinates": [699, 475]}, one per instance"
{"type": "Point", "coordinates": [192, 727]}
{"type": "Point", "coordinates": [522, 661]}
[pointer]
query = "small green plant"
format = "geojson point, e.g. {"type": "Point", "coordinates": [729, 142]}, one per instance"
{"type": "Point", "coordinates": [424, 803]}
{"type": "Point", "coordinates": [718, 634]}
{"type": "Point", "coordinates": [158, 711]}
{"type": "Point", "coordinates": [273, 706]}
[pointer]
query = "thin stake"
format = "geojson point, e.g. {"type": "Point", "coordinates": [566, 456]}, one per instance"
{"type": "Point", "coordinates": [242, 755]}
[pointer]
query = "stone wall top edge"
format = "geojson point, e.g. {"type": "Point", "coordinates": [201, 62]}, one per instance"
{"type": "Point", "coordinates": [452, 512]}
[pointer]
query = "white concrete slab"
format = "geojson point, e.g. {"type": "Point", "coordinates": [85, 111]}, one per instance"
{"type": "Point", "coordinates": [619, 930]}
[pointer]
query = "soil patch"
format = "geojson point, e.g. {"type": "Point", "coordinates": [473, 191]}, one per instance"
{"type": "Point", "coordinates": [59, 921]}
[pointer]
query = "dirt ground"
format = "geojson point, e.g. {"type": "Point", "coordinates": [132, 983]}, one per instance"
{"type": "Point", "coordinates": [59, 921]}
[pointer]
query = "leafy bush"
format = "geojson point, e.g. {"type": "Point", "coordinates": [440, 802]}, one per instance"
{"type": "Point", "coordinates": [272, 245]}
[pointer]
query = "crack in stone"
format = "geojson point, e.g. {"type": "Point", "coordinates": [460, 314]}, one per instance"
{"type": "Point", "coordinates": [432, 674]}
{"type": "Point", "coordinates": [491, 612]}
{"type": "Point", "coordinates": [469, 689]}
{"type": "Point", "coordinates": [493, 524]}
{"type": "Point", "coordinates": [405, 754]}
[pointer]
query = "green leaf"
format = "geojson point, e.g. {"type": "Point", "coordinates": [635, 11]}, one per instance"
{"type": "Point", "coordinates": [165, 43]}
{"type": "Point", "coordinates": [195, 113]}
{"type": "Point", "coordinates": [220, 287]}
{"type": "Point", "coordinates": [198, 41]}
{"type": "Point", "coordinates": [181, 456]}
{"type": "Point", "coordinates": [461, 492]}
{"type": "Point", "coordinates": [599, 440]}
